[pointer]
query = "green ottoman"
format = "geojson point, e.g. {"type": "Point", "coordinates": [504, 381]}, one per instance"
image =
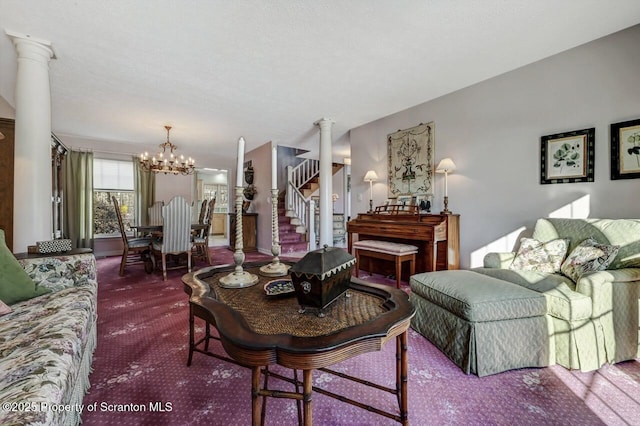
{"type": "Point", "coordinates": [483, 324]}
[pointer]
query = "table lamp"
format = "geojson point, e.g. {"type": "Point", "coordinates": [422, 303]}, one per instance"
{"type": "Point", "coordinates": [446, 166]}
{"type": "Point", "coordinates": [370, 176]}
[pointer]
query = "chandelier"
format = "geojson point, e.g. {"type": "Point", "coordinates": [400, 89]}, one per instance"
{"type": "Point", "coordinates": [167, 162]}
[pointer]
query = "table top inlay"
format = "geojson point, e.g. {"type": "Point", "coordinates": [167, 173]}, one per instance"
{"type": "Point", "coordinates": [266, 315]}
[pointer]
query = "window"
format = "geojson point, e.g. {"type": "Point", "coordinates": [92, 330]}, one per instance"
{"type": "Point", "coordinates": [112, 178]}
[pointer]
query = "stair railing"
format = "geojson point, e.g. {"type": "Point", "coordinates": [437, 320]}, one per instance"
{"type": "Point", "coordinates": [301, 208]}
{"type": "Point", "coordinates": [304, 172]}
{"type": "Point", "coordinates": [300, 205]}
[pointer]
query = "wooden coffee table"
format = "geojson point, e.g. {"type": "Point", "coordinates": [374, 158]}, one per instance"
{"type": "Point", "coordinates": [257, 331]}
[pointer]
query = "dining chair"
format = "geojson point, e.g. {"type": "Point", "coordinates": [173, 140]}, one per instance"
{"type": "Point", "coordinates": [136, 250]}
{"type": "Point", "coordinates": [176, 233]}
{"type": "Point", "coordinates": [201, 241]}
{"type": "Point", "coordinates": [203, 211]}
{"type": "Point", "coordinates": [155, 213]}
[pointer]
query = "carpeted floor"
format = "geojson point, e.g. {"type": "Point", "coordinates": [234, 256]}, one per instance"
{"type": "Point", "coordinates": [140, 363]}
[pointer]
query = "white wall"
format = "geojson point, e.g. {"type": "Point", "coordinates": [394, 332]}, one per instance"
{"type": "Point", "coordinates": [6, 110]}
{"type": "Point", "coordinates": [492, 132]}
{"type": "Point", "coordinates": [169, 186]}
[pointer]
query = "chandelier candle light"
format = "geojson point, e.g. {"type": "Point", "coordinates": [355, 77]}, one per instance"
{"type": "Point", "coordinates": [239, 278]}
{"type": "Point", "coordinates": [446, 166]}
{"type": "Point", "coordinates": [370, 177]}
{"type": "Point", "coordinates": [275, 268]}
{"type": "Point", "coordinates": [167, 163]}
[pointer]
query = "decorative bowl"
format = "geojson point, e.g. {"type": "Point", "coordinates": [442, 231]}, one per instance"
{"type": "Point", "coordinates": [279, 288]}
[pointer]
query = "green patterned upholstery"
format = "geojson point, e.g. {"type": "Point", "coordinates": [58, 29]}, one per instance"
{"type": "Point", "coordinates": [562, 300]}
{"type": "Point", "coordinates": [484, 325]}
{"type": "Point", "coordinates": [476, 297]}
{"type": "Point", "coordinates": [596, 319]}
{"type": "Point", "coordinates": [620, 232]}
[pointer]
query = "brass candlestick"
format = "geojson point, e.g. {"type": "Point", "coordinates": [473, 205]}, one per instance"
{"type": "Point", "coordinates": [446, 206]}
{"type": "Point", "coordinates": [275, 268]}
{"type": "Point", "coordinates": [239, 278]}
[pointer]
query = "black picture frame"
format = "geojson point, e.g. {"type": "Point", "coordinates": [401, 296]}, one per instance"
{"type": "Point", "coordinates": [625, 153]}
{"type": "Point", "coordinates": [568, 157]}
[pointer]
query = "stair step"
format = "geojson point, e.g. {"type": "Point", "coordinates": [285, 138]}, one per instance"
{"type": "Point", "coordinates": [291, 238]}
{"type": "Point", "coordinates": [294, 247]}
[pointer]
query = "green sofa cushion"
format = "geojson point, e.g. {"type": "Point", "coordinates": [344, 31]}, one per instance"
{"type": "Point", "coordinates": [562, 300]}
{"type": "Point", "coordinates": [620, 232]}
{"type": "Point", "coordinates": [477, 297]}
{"type": "Point", "coordinates": [15, 284]}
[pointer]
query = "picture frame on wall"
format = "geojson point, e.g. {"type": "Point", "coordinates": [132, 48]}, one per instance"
{"type": "Point", "coordinates": [568, 157]}
{"type": "Point", "coordinates": [410, 156]}
{"type": "Point", "coordinates": [625, 150]}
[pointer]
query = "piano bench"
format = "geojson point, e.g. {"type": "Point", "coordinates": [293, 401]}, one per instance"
{"type": "Point", "coordinates": [386, 250]}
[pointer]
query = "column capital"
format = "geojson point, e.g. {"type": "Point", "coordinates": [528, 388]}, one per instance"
{"type": "Point", "coordinates": [31, 47]}
{"type": "Point", "coordinates": [324, 122]}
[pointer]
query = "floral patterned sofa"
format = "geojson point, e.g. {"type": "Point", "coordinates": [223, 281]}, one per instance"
{"type": "Point", "coordinates": [47, 342]}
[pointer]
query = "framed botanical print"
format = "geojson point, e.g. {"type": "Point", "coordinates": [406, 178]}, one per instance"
{"type": "Point", "coordinates": [625, 150]}
{"type": "Point", "coordinates": [567, 157]}
{"type": "Point", "coordinates": [411, 160]}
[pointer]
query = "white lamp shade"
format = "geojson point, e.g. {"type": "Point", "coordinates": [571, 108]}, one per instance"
{"type": "Point", "coordinates": [370, 176]}
{"type": "Point", "coordinates": [446, 165]}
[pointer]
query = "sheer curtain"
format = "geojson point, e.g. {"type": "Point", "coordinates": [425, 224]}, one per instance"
{"type": "Point", "coordinates": [78, 198]}
{"type": "Point", "coordinates": [145, 189]}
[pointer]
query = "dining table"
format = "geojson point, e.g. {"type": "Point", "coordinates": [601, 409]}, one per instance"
{"type": "Point", "coordinates": [156, 229]}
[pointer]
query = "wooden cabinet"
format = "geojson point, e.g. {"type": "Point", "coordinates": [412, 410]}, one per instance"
{"type": "Point", "coordinates": [219, 224]}
{"type": "Point", "coordinates": [58, 151]}
{"type": "Point", "coordinates": [249, 232]}
{"type": "Point", "coordinates": [7, 154]}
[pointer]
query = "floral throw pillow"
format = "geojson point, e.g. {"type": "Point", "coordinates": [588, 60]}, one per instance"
{"type": "Point", "coordinates": [588, 256]}
{"type": "Point", "coordinates": [537, 256]}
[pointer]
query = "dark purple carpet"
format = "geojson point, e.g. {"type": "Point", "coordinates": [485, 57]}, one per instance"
{"type": "Point", "coordinates": [140, 363]}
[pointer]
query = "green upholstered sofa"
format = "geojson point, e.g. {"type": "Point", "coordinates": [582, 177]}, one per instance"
{"type": "Point", "coordinates": [594, 320]}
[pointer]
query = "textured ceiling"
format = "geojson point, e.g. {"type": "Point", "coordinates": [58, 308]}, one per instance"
{"type": "Point", "coordinates": [266, 70]}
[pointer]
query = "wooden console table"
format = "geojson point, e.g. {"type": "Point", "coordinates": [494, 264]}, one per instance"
{"type": "Point", "coordinates": [73, 252]}
{"type": "Point", "coordinates": [249, 231]}
{"type": "Point", "coordinates": [257, 331]}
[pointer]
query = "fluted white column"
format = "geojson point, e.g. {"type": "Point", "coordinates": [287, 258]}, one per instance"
{"type": "Point", "coordinates": [32, 213]}
{"type": "Point", "coordinates": [326, 182]}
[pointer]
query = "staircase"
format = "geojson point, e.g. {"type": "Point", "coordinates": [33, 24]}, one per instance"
{"type": "Point", "coordinates": [291, 241]}
{"type": "Point", "coordinates": [311, 186]}
{"type": "Point", "coordinates": [298, 217]}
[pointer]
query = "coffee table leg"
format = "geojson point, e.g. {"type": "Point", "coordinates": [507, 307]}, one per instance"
{"type": "Point", "coordinates": [404, 397]}
{"type": "Point", "coordinates": [191, 336]}
{"type": "Point", "coordinates": [255, 399]}
{"type": "Point", "coordinates": [307, 389]}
